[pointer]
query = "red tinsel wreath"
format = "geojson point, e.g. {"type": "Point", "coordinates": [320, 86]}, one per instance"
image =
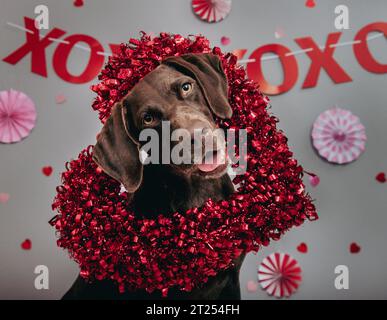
{"type": "Point", "coordinates": [103, 235]}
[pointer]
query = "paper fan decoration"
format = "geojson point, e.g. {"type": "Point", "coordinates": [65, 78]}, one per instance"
{"type": "Point", "coordinates": [338, 136]}
{"type": "Point", "coordinates": [279, 275]}
{"type": "Point", "coordinates": [17, 116]}
{"type": "Point", "coordinates": [211, 10]}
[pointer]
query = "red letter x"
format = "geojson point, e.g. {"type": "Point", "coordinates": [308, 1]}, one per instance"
{"type": "Point", "coordinates": [36, 46]}
{"type": "Point", "coordinates": [322, 59]}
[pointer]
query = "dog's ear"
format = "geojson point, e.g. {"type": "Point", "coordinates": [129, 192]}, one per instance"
{"type": "Point", "coordinates": [117, 153]}
{"type": "Point", "coordinates": [207, 70]}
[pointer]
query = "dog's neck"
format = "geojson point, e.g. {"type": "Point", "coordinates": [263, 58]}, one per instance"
{"type": "Point", "coordinates": [163, 191]}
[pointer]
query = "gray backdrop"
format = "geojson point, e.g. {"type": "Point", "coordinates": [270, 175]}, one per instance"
{"type": "Point", "coordinates": [351, 204]}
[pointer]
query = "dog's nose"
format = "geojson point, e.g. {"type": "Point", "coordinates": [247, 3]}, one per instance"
{"type": "Point", "coordinates": [207, 139]}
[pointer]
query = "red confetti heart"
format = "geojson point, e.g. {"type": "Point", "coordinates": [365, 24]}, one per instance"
{"type": "Point", "coordinates": [225, 41]}
{"type": "Point", "coordinates": [354, 248]}
{"type": "Point", "coordinates": [310, 3]}
{"type": "Point", "coordinates": [381, 177]}
{"type": "Point", "coordinates": [47, 171]}
{"type": "Point", "coordinates": [78, 3]}
{"type": "Point", "coordinates": [26, 244]}
{"type": "Point", "coordinates": [302, 247]}
{"type": "Point", "coordinates": [4, 197]}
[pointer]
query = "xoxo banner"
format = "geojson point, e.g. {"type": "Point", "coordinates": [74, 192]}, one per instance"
{"type": "Point", "coordinates": [321, 58]}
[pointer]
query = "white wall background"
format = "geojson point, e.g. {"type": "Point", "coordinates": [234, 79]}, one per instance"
{"type": "Point", "coordinates": [351, 204]}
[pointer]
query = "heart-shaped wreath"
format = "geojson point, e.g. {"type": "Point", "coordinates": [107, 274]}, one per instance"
{"type": "Point", "coordinates": [99, 230]}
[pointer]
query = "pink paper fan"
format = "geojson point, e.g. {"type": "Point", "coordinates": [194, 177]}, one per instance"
{"type": "Point", "coordinates": [211, 10]}
{"type": "Point", "coordinates": [338, 136]}
{"type": "Point", "coordinates": [279, 275]}
{"type": "Point", "coordinates": [17, 116]}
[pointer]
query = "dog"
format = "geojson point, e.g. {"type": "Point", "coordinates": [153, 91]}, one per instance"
{"type": "Point", "coordinates": [189, 91]}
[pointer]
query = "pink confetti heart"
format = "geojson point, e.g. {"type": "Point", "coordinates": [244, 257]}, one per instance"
{"type": "Point", "coordinates": [252, 286]}
{"type": "Point", "coordinates": [60, 98]}
{"type": "Point", "coordinates": [225, 41]}
{"type": "Point", "coordinates": [314, 180]}
{"type": "Point", "coordinates": [4, 197]}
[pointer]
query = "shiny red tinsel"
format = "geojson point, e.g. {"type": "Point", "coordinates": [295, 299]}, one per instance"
{"type": "Point", "coordinates": [102, 234]}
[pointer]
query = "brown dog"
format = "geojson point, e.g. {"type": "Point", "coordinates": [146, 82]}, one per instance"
{"type": "Point", "coordinates": [188, 91]}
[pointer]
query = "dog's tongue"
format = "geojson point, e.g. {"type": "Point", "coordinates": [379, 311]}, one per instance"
{"type": "Point", "coordinates": [213, 163]}
{"type": "Point", "coordinates": [207, 167]}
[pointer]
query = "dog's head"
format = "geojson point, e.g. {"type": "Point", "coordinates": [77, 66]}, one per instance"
{"type": "Point", "coordinates": [189, 91]}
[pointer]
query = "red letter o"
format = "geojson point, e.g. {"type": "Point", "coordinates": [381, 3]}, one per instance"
{"type": "Point", "coordinates": [289, 66]}
{"type": "Point", "coordinates": [362, 52]}
{"type": "Point", "coordinates": [93, 67]}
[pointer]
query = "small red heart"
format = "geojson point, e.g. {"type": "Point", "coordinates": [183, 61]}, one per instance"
{"type": "Point", "coordinates": [354, 248]}
{"type": "Point", "coordinates": [310, 3]}
{"type": "Point", "coordinates": [78, 3]}
{"type": "Point", "coordinates": [381, 177]}
{"type": "Point", "coordinates": [26, 244]}
{"type": "Point", "coordinates": [302, 247]}
{"type": "Point", "coordinates": [47, 171]}
{"type": "Point", "coordinates": [225, 41]}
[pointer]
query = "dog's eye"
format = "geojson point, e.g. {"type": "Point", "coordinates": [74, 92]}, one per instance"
{"type": "Point", "coordinates": [147, 119]}
{"type": "Point", "coordinates": [186, 88]}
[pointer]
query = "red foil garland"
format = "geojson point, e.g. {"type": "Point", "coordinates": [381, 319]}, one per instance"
{"type": "Point", "coordinates": [101, 233]}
